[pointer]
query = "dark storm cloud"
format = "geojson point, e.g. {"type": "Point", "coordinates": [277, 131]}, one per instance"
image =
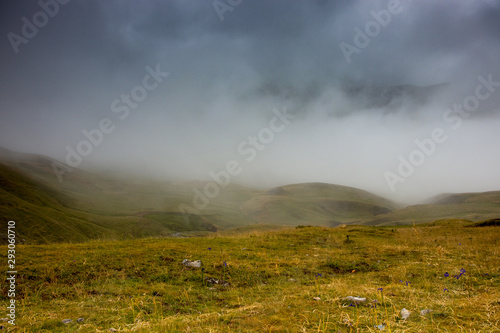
{"type": "Point", "coordinates": [226, 77]}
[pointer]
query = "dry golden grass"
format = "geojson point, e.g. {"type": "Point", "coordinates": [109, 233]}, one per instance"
{"type": "Point", "coordinates": [292, 280]}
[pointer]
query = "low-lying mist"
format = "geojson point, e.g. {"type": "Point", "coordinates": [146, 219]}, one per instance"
{"type": "Point", "coordinates": [334, 137]}
{"type": "Point", "coordinates": [395, 97]}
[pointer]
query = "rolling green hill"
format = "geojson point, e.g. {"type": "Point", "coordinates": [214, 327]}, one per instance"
{"type": "Point", "coordinates": [466, 198]}
{"type": "Point", "coordinates": [45, 213]}
{"type": "Point", "coordinates": [315, 204]}
{"type": "Point", "coordinates": [467, 206]}
{"type": "Point", "coordinates": [41, 213]}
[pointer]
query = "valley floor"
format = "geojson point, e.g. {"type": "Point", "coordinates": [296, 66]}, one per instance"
{"type": "Point", "coordinates": [292, 280]}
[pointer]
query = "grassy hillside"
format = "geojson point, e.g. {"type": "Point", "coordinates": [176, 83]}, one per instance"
{"type": "Point", "coordinates": [293, 280]}
{"type": "Point", "coordinates": [466, 198]}
{"type": "Point", "coordinates": [315, 204]}
{"type": "Point", "coordinates": [41, 211]}
{"type": "Point", "coordinates": [123, 198]}
{"type": "Point", "coordinates": [90, 205]}
{"type": "Point", "coordinates": [469, 206]}
{"type": "Point", "coordinates": [45, 213]}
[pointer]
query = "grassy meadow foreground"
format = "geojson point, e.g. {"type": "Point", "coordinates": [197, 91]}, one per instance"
{"type": "Point", "coordinates": [287, 280]}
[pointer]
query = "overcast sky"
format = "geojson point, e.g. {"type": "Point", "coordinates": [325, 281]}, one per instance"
{"type": "Point", "coordinates": [337, 66]}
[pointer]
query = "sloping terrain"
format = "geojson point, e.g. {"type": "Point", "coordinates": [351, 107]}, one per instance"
{"type": "Point", "coordinates": [467, 206]}
{"type": "Point", "coordinates": [45, 213]}
{"type": "Point", "coordinates": [466, 198]}
{"type": "Point", "coordinates": [90, 205]}
{"type": "Point", "coordinates": [41, 213]}
{"type": "Point", "coordinates": [315, 204]}
{"type": "Point", "coordinates": [113, 206]}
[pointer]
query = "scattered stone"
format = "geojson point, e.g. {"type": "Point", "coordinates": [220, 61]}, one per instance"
{"type": "Point", "coordinates": [221, 282]}
{"type": "Point", "coordinates": [424, 312]}
{"type": "Point", "coordinates": [113, 329]}
{"type": "Point", "coordinates": [357, 300]}
{"type": "Point", "coordinates": [405, 314]}
{"type": "Point", "coordinates": [381, 326]}
{"type": "Point", "coordinates": [212, 288]}
{"type": "Point", "coordinates": [80, 320]}
{"type": "Point", "coordinates": [189, 263]}
{"type": "Point", "coordinates": [316, 298]}
{"type": "Point", "coordinates": [292, 280]}
{"type": "Point", "coordinates": [66, 321]}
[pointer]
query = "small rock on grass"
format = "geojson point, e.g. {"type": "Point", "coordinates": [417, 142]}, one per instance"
{"type": "Point", "coordinates": [213, 281]}
{"type": "Point", "coordinates": [405, 314]}
{"type": "Point", "coordinates": [80, 320]}
{"type": "Point", "coordinates": [66, 321]}
{"type": "Point", "coordinates": [316, 298]}
{"type": "Point", "coordinates": [194, 263]}
{"type": "Point", "coordinates": [113, 329]}
{"type": "Point", "coordinates": [356, 300]}
{"type": "Point", "coordinates": [424, 312]}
